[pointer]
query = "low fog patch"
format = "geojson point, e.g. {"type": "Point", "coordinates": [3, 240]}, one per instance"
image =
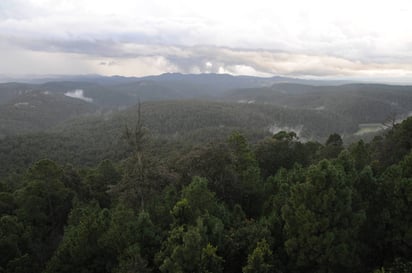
{"type": "Point", "coordinates": [367, 128]}
{"type": "Point", "coordinates": [20, 104]}
{"type": "Point", "coordinates": [246, 101]}
{"type": "Point", "coordinates": [274, 129]}
{"type": "Point", "coordinates": [78, 94]}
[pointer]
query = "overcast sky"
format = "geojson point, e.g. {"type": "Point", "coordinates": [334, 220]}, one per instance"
{"type": "Point", "coordinates": [359, 39]}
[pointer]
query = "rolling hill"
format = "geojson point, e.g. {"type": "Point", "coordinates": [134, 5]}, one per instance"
{"type": "Point", "coordinates": [83, 117]}
{"type": "Point", "coordinates": [37, 111]}
{"type": "Point", "coordinates": [360, 103]}
{"type": "Point", "coordinates": [88, 139]}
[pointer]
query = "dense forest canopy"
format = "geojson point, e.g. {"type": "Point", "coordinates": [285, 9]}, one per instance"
{"type": "Point", "coordinates": [205, 185]}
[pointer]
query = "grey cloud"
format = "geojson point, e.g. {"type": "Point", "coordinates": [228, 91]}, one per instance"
{"type": "Point", "coordinates": [88, 47]}
{"type": "Point", "coordinates": [109, 63]}
{"type": "Point", "coordinates": [135, 37]}
{"type": "Point", "coordinates": [284, 63]}
{"type": "Point", "coordinates": [150, 36]}
{"type": "Point", "coordinates": [219, 59]}
{"type": "Point", "coordinates": [351, 30]}
{"type": "Point", "coordinates": [96, 47]}
{"type": "Point", "coordinates": [214, 59]}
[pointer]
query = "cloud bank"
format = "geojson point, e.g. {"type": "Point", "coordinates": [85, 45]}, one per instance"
{"type": "Point", "coordinates": [368, 39]}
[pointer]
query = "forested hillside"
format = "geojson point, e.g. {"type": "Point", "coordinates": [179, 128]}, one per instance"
{"type": "Point", "coordinates": [37, 111]}
{"type": "Point", "coordinates": [357, 109]}
{"type": "Point", "coordinates": [205, 173]}
{"type": "Point", "coordinates": [172, 124]}
{"type": "Point", "coordinates": [277, 205]}
{"type": "Point", "coordinates": [360, 103]}
{"type": "Point", "coordinates": [77, 120]}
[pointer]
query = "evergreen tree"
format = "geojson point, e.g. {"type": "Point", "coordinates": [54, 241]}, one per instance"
{"type": "Point", "coordinates": [320, 223]}
{"type": "Point", "coordinates": [260, 260]}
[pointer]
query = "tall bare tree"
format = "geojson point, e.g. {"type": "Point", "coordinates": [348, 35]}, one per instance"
{"type": "Point", "coordinates": [134, 183]}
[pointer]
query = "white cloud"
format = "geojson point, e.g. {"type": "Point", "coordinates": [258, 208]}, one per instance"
{"type": "Point", "coordinates": [139, 66]}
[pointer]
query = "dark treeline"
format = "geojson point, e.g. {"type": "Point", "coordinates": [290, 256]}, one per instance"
{"type": "Point", "coordinates": [276, 206]}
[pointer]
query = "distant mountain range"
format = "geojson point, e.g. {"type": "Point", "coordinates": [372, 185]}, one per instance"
{"type": "Point", "coordinates": [196, 78]}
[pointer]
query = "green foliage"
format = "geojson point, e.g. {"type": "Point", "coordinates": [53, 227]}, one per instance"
{"type": "Point", "coordinates": [277, 205]}
{"type": "Point", "coordinates": [232, 171]}
{"type": "Point", "coordinates": [281, 152]}
{"type": "Point", "coordinates": [361, 154]}
{"type": "Point", "coordinates": [182, 250]}
{"type": "Point", "coordinates": [95, 237]}
{"type": "Point", "coordinates": [44, 201]}
{"type": "Point", "coordinates": [396, 144]}
{"type": "Point", "coordinates": [132, 261]}
{"type": "Point", "coordinates": [210, 261]}
{"type": "Point", "coordinates": [188, 245]}
{"type": "Point", "coordinates": [80, 249]}
{"type": "Point", "coordinates": [215, 163]}
{"type": "Point", "coordinates": [42, 206]}
{"type": "Point", "coordinates": [174, 125]}
{"type": "Point", "coordinates": [320, 222]}
{"type": "Point", "coordinates": [333, 146]}
{"type": "Point", "coordinates": [283, 135]}
{"type": "Point", "coordinates": [197, 200]}
{"type": "Point", "coordinates": [249, 185]}
{"type": "Point", "coordinates": [240, 240]}
{"type": "Point", "coordinates": [7, 203]}
{"type": "Point", "coordinates": [398, 266]}
{"type": "Point", "coordinates": [260, 260]}
{"type": "Point", "coordinates": [99, 181]}
{"type": "Point", "coordinates": [189, 251]}
{"type": "Point", "coordinates": [396, 197]}
{"type": "Point", "coordinates": [11, 241]}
